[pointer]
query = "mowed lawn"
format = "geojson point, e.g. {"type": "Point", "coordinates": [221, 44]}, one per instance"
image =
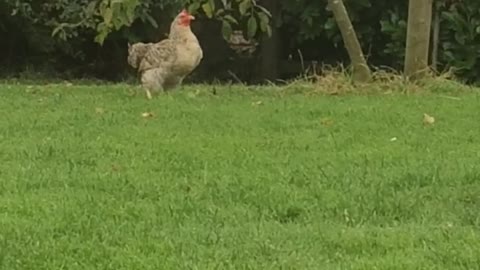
{"type": "Point", "coordinates": [244, 179]}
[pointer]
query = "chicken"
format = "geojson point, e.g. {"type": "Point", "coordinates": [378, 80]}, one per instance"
{"type": "Point", "coordinates": [164, 65]}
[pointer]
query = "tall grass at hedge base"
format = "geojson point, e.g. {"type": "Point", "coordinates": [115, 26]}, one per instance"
{"type": "Point", "coordinates": [338, 81]}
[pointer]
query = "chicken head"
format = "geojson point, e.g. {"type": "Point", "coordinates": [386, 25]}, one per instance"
{"type": "Point", "coordinates": [184, 18]}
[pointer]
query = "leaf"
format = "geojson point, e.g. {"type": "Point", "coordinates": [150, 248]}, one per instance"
{"type": "Point", "coordinates": [264, 10]}
{"type": "Point", "coordinates": [460, 38]}
{"type": "Point", "coordinates": [326, 121]}
{"type": "Point", "coordinates": [102, 33]}
{"type": "Point", "coordinates": [329, 24]}
{"type": "Point", "coordinates": [264, 20]}
{"type": "Point", "coordinates": [230, 19]}
{"type": "Point", "coordinates": [147, 114]}
{"type": "Point", "coordinates": [90, 9]}
{"type": "Point", "coordinates": [428, 119]}
{"type": "Point", "coordinates": [151, 20]}
{"type": "Point", "coordinates": [130, 14]}
{"type": "Point", "coordinates": [226, 29]}
{"type": "Point", "coordinates": [212, 4]}
{"type": "Point", "coordinates": [244, 6]}
{"type": "Point", "coordinates": [252, 27]}
{"type": "Point", "coordinates": [193, 7]}
{"type": "Point", "coordinates": [269, 30]}
{"type": "Point", "coordinates": [107, 15]}
{"type": "Point", "coordinates": [364, 3]}
{"type": "Point", "coordinates": [219, 12]}
{"type": "Point", "coordinates": [57, 30]}
{"type": "Point", "coordinates": [208, 10]}
{"type": "Point", "coordinates": [100, 37]}
{"type": "Point", "coordinates": [99, 110]}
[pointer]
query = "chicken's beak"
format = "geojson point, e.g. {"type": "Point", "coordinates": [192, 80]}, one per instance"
{"type": "Point", "coordinates": [191, 17]}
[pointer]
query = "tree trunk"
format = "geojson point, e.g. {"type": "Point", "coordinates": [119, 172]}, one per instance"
{"type": "Point", "coordinates": [269, 47]}
{"type": "Point", "coordinates": [361, 71]}
{"type": "Point", "coordinates": [436, 35]}
{"type": "Point", "coordinates": [418, 38]}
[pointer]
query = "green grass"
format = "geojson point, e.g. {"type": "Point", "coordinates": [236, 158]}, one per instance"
{"type": "Point", "coordinates": [214, 182]}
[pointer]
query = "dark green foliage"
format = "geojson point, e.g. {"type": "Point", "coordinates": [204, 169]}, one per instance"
{"type": "Point", "coordinates": [460, 40]}
{"type": "Point", "coordinates": [82, 38]}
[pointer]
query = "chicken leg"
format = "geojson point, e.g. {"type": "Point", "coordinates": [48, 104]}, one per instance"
{"type": "Point", "coordinates": [152, 81]}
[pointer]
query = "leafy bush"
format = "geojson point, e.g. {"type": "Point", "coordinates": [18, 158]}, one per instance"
{"type": "Point", "coordinates": [67, 18]}
{"type": "Point", "coordinates": [460, 38]}
{"type": "Point", "coordinates": [77, 35]}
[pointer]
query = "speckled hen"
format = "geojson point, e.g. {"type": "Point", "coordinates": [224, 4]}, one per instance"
{"type": "Point", "coordinates": [164, 65]}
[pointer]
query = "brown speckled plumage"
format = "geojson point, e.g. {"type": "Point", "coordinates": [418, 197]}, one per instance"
{"type": "Point", "coordinates": [136, 52]}
{"type": "Point", "coordinates": [164, 65]}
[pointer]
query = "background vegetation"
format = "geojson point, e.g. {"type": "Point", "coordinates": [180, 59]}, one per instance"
{"type": "Point", "coordinates": [80, 38]}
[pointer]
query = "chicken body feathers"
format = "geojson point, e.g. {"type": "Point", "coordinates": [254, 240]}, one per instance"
{"type": "Point", "coordinates": [159, 55]}
{"type": "Point", "coordinates": [136, 53]}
